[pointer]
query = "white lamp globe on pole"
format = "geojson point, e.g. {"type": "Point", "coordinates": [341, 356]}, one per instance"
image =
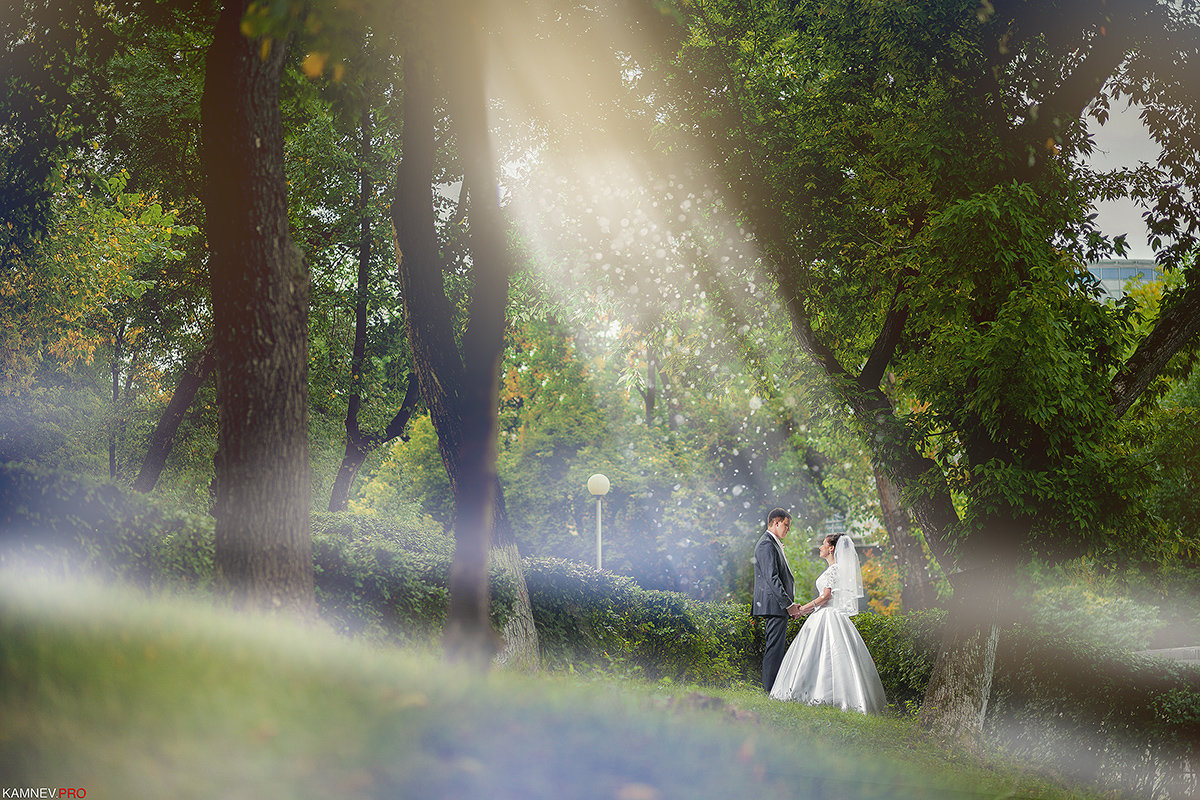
{"type": "Point", "coordinates": [598, 486]}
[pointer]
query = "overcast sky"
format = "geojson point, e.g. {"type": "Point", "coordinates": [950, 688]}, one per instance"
{"type": "Point", "coordinates": [1123, 141]}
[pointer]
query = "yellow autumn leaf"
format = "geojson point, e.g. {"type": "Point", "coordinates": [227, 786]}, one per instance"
{"type": "Point", "coordinates": [314, 64]}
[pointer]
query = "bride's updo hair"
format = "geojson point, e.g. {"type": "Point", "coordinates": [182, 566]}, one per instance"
{"type": "Point", "coordinates": [833, 538]}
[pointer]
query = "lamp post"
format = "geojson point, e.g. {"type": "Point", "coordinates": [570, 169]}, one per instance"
{"type": "Point", "coordinates": [598, 486]}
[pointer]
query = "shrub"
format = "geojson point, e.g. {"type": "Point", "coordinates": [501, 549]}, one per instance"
{"type": "Point", "coordinates": [377, 578]}
{"type": "Point", "coordinates": [904, 648]}
{"type": "Point", "coordinates": [1096, 712]}
{"type": "Point", "coordinates": [589, 619]}
{"type": "Point", "coordinates": [66, 522]}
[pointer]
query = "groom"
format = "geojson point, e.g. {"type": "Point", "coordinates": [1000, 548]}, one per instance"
{"type": "Point", "coordinates": [773, 591]}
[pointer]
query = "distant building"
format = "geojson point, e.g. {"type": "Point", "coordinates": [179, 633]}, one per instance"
{"type": "Point", "coordinates": [1114, 275]}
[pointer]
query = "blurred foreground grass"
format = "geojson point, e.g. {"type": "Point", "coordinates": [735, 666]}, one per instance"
{"type": "Point", "coordinates": [128, 698]}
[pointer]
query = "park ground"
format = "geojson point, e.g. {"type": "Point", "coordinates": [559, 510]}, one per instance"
{"type": "Point", "coordinates": [126, 698]}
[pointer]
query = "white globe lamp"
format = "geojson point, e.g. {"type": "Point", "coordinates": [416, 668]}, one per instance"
{"type": "Point", "coordinates": [598, 486]}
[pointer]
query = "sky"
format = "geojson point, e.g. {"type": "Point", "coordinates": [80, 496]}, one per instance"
{"type": "Point", "coordinates": [1123, 141]}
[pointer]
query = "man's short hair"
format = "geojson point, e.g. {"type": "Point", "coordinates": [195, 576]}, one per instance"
{"type": "Point", "coordinates": [776, 513]}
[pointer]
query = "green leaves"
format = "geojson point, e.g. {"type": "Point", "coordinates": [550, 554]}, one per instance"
{"type": "Point", "coordinates": [78, 288]}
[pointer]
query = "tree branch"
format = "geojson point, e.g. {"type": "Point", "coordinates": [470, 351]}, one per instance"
{"type": "Point", "coordinates": [1177, 326]}
{"type": "Point", "coordinates": [398, 423]}
{"type": "Point", "coordinates": [885, 346]}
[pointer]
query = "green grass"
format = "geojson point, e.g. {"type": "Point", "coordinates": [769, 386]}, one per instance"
{"type": "Point", "coordinates": [128, 698]}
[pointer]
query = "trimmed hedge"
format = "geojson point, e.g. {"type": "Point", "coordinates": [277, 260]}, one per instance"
{"type": "Point", "coordinates": [63, 522]}
{"type": "Point", "coordinates": [593, 620]}
{"type": "Point", "coordinates": [386, 582]}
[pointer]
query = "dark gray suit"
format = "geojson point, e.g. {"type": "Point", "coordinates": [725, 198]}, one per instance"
{"type": "Point", "coordinates": [773, 592]}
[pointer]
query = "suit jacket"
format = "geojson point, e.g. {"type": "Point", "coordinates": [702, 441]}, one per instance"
{"type": "Point", "coordinates": [773, 584]}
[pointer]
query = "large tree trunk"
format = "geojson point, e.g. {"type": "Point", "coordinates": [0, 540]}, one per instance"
{"type": "Point", "coordinates": [519, 640]}
{"type": "Point", "coordinates": [460, 388]}
{"type": "Point", "coordinates": [260, 307]}
{"type": "Point", "coordinates": [956, 699]}
{"type": "Point", "coordinates": [163, 437]}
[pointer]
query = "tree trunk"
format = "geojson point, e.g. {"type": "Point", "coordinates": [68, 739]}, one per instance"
{"type": "Point", "coordinates": [440, 369]}
{"type": "Point", "coordinates": [916, 588]}
{"type": "Point", "coordinates": [358, 447]}
{"type": "Point", "coordinates": [163, 437]}
{"type": "Point", "coordinates": [956, 698]}
{"type": "Point", "coordinates": [650, 393]}
{"type": "Point", "coordinates": [519, 640]}
{"type": "Point", "coordinates": [260, 306]}
{"type": "Point", "coordinates": [115, 369]}
{"type": "Point", "coordinates": [460, 388]}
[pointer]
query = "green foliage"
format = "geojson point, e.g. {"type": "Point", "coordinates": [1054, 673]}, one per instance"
{"type": "Point", "coordinates": [74, 525]}
{"type": "Point", "coordinates": [385, 580]}
{"type": "Point", "coordinates": [591, 620]}
{"type": "Point", "coordinates": [75, 292]}
{"type": "Point", "coordinates": [1075, 612]}
{"type": "Point", "coordinates": [1163, 440]}
{"type": "Point", "coordinates": [1086, 711]}
{"type": "Point", "coordinates": [53, 99]}
{"type": "Point", "coordinates": [411, 472]}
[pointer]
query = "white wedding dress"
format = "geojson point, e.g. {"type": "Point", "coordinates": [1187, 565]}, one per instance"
{"type": "Point", "coordinates": [827, 662]}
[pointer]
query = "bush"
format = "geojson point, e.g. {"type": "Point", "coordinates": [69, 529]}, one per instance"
{"type": "Point", "coordinates": [589, 619]}
{"type": "Point", "coordinates": [373, 577]}
{"type": "Point", "coordinates": [1094, 712]}
{"type": "Point", "coordinates": [904, 648]}
{"type": "Point", "coordinates": [67, 523]}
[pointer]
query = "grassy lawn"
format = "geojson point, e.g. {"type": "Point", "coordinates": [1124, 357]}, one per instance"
{"type": "Point", "coordinates": [131, 699]}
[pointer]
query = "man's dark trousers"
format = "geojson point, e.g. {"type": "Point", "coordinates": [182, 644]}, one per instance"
{"type": "Point", "coordinates": [775, 645]}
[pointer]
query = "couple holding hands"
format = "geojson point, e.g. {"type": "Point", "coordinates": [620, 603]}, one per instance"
{"type": "Point", "coordinates": [828, 662]}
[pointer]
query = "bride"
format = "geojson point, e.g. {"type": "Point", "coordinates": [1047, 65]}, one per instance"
{"type": "Point", "coordinates": [828, 662]}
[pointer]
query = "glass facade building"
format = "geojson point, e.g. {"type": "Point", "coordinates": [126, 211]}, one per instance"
{"type": "Point", "coordinates": [1115, 275]}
